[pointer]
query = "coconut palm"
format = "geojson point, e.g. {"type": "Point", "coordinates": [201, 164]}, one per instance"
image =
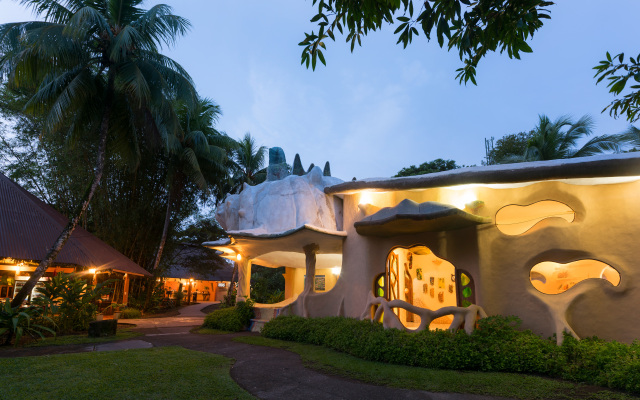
{"type": "Point", "coordinates": [249, 161]}
{"type": "Point", "coordinates": [200, 157]}
{"type": "Point", "coordinates": [98, 76]}
{"type": "Point", "coordinates": [550, 141]}
{"type": "Point", "coordinates": [632, 137]}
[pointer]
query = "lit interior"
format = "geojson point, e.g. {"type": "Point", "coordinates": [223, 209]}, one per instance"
{"type": "Point", "coordinates": [553, 278]}
{"type": "Point", "coordinates": [516, 219]}
{"type": "Point", "coordinates": [419, 277]}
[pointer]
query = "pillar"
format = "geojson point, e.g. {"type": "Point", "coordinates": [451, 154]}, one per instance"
{"type": "Point", "coordinates": [125, 291]}
{"type": "Point", "coordinates": [244, 279]}
{"type": "Point", "coordinates": [310, 251]}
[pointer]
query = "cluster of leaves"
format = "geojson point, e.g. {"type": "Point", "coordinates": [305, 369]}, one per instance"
{"type": "Point", "coordinates": [618, 72]}
{"type": "Point", "coordinates": [429, 167]}
{"type": "Point", "coordinates": [18, 321]}
{"type": "Point", "coordinates": [130, 312]}
{"type": "Point", "coordinates": [267, 284]}
{"type": "Point", "coordinates": [70, 301]}
{"type": "Point", "coordinates": [507, 147]}
{"type": "Point", "coordinates": [232, 319]}
{"type": "Point", "coordinates": [473, 27]}
{"type": "Point", "coordinates": [497, 345]}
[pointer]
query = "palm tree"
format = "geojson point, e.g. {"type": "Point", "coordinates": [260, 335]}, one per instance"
{"type": "Point", "coordinates": [95, 68]}
{"type": "Point", "coordinates": [632, 137]}
{"type": "Point", "coordinates": [249, 161]}
{"type": "Point", "coordinates": [199, 157]}
{"type": "Point", "coordinates": [550, 141]}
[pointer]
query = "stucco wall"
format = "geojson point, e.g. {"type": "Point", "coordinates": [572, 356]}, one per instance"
{"type": "Point", "coordinates": [605, 228]}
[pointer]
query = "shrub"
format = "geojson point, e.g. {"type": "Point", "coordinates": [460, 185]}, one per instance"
{"type": "Point", "coordinates": [234, 319]}
{"type": "Point", "coordinates": [130, 312]}
{"type": "Point", "coordinates": [497, 345]}
{"type": "Point", "coordinates": [17, 321]}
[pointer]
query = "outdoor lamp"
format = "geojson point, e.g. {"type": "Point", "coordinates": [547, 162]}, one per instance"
{"type": "Point", "coordinates": [239, 257]}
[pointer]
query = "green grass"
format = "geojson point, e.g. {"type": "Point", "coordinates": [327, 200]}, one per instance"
{"type": "Point", "coordinates": [210, 331]}
{"type": "Point", "coordinates": [520, 386]}
{"type": "Point", "coordinates": [156, 373]}
{"type": "Point", "coordinates": [121, 334]}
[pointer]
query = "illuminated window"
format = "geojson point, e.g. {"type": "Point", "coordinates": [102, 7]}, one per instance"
{"type": "Point", "coordinates": [516, 219]}
{"type": "Point", "coordinates": [553, 278]}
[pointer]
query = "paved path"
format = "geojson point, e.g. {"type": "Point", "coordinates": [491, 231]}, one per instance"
{"type": "Point", "coordinates": [265, 372]}
{"type": "Point", "coordinates": [189, 316]}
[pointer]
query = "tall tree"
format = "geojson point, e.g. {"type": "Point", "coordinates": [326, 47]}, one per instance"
{"type": "Point", "coordinates": [198, 157]}
{"type": "Point", "coordinates": [429, 167]}
{"type": "Point", "coordinates": [551, 140]}
{"type": "Point", "coordinates": [473, 27]}
{"type": "Point", "coordinates": [507, 147]}
{"type": "Point", "coordinates": [250, 160]}
{"type": "Point", "coordinates": [96, 67]}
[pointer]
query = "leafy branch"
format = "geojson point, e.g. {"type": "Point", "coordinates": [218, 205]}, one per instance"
{"type": "Point", "coordinates": [618, 73]}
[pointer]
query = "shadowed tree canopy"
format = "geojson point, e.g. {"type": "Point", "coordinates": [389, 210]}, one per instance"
{"type": "Point", "coordinates": [97, 76]}
{"type": "Point", "coordinates": [507, 147]}
{"type": "Point", "coordinates": [473, 28]}
{"type": "Point", "coordinates": [429, 167]}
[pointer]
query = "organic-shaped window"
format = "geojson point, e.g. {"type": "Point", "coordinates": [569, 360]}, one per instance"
{"type": "Point", "coordinates": [516, 219]}
{"type": "Point", "coordinates": [553, 278]}
{"type": "Point", "coordinates": [466, 287]}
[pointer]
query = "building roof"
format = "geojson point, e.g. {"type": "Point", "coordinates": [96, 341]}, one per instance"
{"type": "Point", "coordinates": [29, 226]}
{"type": "Point", "coordinates": [600, 166]}
{"type": "Point", "coordinates": [194, 261]}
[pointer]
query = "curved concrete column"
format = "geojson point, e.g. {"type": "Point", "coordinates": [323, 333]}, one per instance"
{"type": "Point", "coordinates": [244, 279]}
{"type": "Point", "coordinates": [310, 251]}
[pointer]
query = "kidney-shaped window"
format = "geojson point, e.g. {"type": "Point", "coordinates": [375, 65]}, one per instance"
{"type": "Point", "coordinates": [553, 278]}
{"type": "Point", "coordinates": [516, 219]}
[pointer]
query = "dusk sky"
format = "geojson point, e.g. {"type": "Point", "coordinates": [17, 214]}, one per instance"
{"type": "Point", "coordinates": [382, 108]}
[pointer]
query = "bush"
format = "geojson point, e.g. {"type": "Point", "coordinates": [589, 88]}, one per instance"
{"type": "Point", "coordinates": [497, 345]}
{"type": "Point", "coordinates": [233, 319]}
{"type": "Point", "coordinates": [130, 312]}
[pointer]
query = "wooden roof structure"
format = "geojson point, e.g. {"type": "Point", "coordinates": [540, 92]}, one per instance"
{"type": "Point", "coordinates": [29, 226]}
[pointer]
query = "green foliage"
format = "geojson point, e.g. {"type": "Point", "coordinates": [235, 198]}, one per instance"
{"type": "Point", "coordinates": [267, 284]}
{"type": "Point", "coordinates": [72, 301]}
{"type": "Point", "coordinates": [617, 72]}
{"type": "Point", "coordinates": [437, 165]}
{"type": "Point", "coordinates": [507, 147]}
{"type": "Point", "coordinates": [17, 321]}
{"type": "Point", "coordinates": [472, 28]}
{"type": "Point", "coordinates": [229, 299]}
{"type": "Point", "coordinates": [497, 345]}
{"type": "Point", "coordinates": [130, 313]}
{"type": "Point", "coordinates": [232, 319]}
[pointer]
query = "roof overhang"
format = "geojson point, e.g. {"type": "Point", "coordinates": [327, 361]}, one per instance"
{"type": "Point", "coordinates": [283, 248]}
{"type": "Point", "coordinates": [409, 217]}
{"type": "Point", "coordinates": [579, 169]}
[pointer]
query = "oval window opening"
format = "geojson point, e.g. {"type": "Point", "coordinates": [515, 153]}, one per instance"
{"type": "Point", "coordinates": [516, 219]}
{"type": "Point", "coordinates": [554, 278]}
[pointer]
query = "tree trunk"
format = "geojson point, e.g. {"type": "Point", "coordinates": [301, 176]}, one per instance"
{"type": "Point", "coordinates": [163, 240]}
{"type": "Point", "coordinates": [68, 230]}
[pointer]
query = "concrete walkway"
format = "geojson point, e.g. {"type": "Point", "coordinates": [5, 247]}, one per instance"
{"type": "Point", "coordinates": [189, 316]}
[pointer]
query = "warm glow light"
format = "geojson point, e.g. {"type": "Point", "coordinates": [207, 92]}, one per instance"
{"type": "Point", "coordinates": [92, 271]}
{"type": "Point", "coordinates": [336, 270]}
{"type": "Point", "coordinates": [462, 199]}
{"type": "Point", "coordinates": [239, 257]}
{"type": "Point", "coordinates": [365, 198]}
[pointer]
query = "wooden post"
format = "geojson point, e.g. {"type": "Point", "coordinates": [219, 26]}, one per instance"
{"type": "Point", "coordinates": [125, 291]}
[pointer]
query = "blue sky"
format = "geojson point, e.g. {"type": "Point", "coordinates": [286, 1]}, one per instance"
{"type": "Point", "coordinates": [382, 108]}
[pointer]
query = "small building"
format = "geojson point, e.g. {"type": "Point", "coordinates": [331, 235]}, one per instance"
{"type": "Point", "coordinates": [28, 228]}
{"type": "Point", "coordinates": [203, 274]}
{"type": "Point", "coordinates": [552, 242]}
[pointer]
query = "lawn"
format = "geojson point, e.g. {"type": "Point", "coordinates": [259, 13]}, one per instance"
{"type": "Point", "coordinates": [156, 373]}
{"type": "Point", "coordinates": [519, 386]}
{"type": "Point", "coordinates": [121, 334]}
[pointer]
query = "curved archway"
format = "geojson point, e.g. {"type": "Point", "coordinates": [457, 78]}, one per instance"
{"type": "Point", "coordinates": [419, 277]}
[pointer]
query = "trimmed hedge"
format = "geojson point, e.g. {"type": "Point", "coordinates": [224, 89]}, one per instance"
{"type": "Point", "coordinates": [497, 345]}
{"type": "Point", "coordinates": [233, 319]}
{"type": "Point", "coordinates": [130, 313]}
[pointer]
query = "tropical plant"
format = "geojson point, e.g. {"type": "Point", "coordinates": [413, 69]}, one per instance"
{"type": "Point", "coordinates": [557, 139]}
{"type": "Point", "coordinates": [17, 321]}
{"type": "Point", "coordinates": [72, 300]}
{"type": "Point", "coordinates": [249, 161]}
{"type": "Point", "coordinates": [473, 28]}
{"type": "Point", "coordinates": [508, 146]}
{"type": "Point", "coordinates": [267, 284]}
{"type": "Point", "coordinates": [618, 73]}
{"type": "Point", "coordinates": [96, 71]}
{"type": "Point", "coordinates": [429, 167]}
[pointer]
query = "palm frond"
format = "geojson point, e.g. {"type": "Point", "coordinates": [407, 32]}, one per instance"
{"type": "Point", "coordinates": [599, 144]}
